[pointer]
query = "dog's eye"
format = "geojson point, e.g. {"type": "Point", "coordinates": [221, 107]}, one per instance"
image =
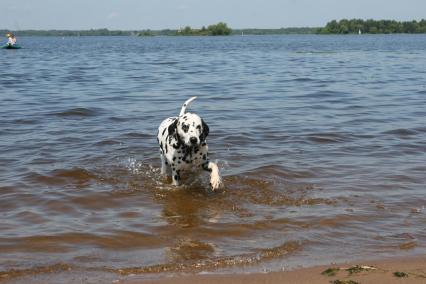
{"type": "Point", "coordinates": [185, 127]}
{"type": "Point", "coordinates": [199, 127]}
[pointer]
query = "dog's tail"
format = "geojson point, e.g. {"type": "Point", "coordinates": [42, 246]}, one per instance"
{"type": "Point", "coordinates": [185, 105]}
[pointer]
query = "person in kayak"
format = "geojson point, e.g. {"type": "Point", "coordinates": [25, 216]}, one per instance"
{"type": "Point", "coordinates": [11, 39]}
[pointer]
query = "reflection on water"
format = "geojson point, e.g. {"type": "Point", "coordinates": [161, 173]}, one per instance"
{"type": "Point", "coordinates": [320, 140]}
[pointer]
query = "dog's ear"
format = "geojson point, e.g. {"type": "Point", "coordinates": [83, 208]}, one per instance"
{"type": "Point", "coordinates": [205, 132]}
{"type": "Point", "coordinates": [173, 128]}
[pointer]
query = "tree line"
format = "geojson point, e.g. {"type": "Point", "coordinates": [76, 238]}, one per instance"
{"type": "Point", "coordinates": [280, 31]}
{"type": "Point", "coordinates": [91, 32]}
{"type": "Point", "coordinates": [354, 26]}
{"type": "Point", "coordinates": [343, 26]}
{"type": "Point", "coordinates": [218, 29]}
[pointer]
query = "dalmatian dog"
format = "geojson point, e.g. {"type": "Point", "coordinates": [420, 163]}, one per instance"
{"type": "Point", "coordinates": [184, 149]}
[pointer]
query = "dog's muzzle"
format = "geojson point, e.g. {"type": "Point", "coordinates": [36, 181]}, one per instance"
{"type": "Point", "coordinates": [193, 140]}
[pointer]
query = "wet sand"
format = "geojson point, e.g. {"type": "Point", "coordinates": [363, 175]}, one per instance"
{"type": "Point", "coordinates": [381, 271]}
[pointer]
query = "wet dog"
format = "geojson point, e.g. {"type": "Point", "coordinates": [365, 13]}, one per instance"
{"type": "Point", "coordinates": [184, 149]}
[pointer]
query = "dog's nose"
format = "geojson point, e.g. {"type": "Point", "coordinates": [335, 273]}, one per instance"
{"type": "Point", "coordinates": [193, 140]}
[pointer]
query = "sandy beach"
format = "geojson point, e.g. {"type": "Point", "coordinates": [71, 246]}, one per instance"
{"type": "Point", "coordinates": [409, 270]}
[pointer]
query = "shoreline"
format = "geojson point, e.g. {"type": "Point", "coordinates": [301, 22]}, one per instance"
{"type": "Point", "coordinates": [410, 270]}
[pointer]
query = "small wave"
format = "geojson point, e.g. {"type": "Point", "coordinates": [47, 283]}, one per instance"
{"type": "Point", "coordinates": [279, 171]}
{"type": "Point", "coordinates": [327, 93]}
{"type": "Point", "coordinates": [401, 132]}
{"type": "Point", "coordinates": [81, 78]}
{"type": "Point", "coordinates": [185, 265]}
{"type": "Point", "coordinates": [327, 138]}
{"type": "Point", "coordinates": [43, 179]}
{"type": "Point", "coordinates": [187, 250]}
{"type": "Point", "coordinates": [240, 139]}
{"type": "Point", "coordinates": [273, 186]}
{"type": "Point", "coordinates": [119, 119]}
{"type": "Point", "coordinates": [136, 135]}
{"type": "Point", "coordinates": [315, 52]}
{"type": "Point", "coordinates": [420, 129]}
{"type": "Point", "coordinates": [62, 176]}
{"type": "Point", "coordinates": [106, 142]}
{"type": "Point", "coordinates": [116, 240]}
{"type": "Point", "coordinates": [303, 79]}
{"type": "Point", "coordinates": [78, 112]}
{"type": "Point", "coordinates": [265, 254]}
{"type": "Point", "coordinates": [78, 174]}
{"type": "Point", "coordinates": [25, 121]}
{"type": "Point", "coordinates": [322, 139]}
{"type": "Point", "coordinates": [402, 178]}
{"type": "Point", "coordinates": [15, 273]}
{"type": "Point", "coordinates": [403, 241]}
{"type": "Point", "coordinates": [164, 63]}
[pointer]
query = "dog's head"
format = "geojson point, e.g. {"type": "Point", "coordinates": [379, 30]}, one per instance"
{"type": "Point", "coordinates": [189, 129]}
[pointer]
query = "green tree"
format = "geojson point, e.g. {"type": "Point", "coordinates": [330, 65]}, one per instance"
{"type": "Point", "coordinates": [345, 26]}
{"type": "Point", "coordinates": [219, 29]}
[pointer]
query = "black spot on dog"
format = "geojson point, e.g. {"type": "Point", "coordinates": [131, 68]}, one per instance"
{"type": "Point", "coordinates": [205, 166]}
{"type": "Point", "coordinates": [204, 157]}
{"type": "Point", "coordinates": [163, 131]}
{"type": "Point", "coordinates": [174, 158]}
{"type": "Point", "coordinates": [185, 127]}
{"type": "Point", "coordinates": [176, 146]}
{"type": "Point", "coordinates": [172, 128]}
{"type": "Point", "coordinates": [205, 132]}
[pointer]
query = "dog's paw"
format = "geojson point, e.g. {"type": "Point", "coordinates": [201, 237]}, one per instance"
{"type": "Point", "coordinates": [216, 182]}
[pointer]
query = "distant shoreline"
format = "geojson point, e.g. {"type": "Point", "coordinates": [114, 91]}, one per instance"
{"type": "Point", "coordinates": [166, 32]}
{"type": "Point", "coordinates": [344, 26]}
{"type": "Point", "coordinates": [237, 32]}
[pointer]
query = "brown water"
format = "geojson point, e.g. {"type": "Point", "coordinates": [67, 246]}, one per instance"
{"type": "Point", "coordinates": [320, 139]}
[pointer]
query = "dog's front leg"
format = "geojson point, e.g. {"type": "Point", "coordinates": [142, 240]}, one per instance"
{"type": "Point", "coordinates": [164, 169]}
{"type": "Point", "coordinates": [176, 177]}
{"type": "Point", "coordinates": [215, 179]}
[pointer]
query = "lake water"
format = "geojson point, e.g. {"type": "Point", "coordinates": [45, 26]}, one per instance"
{"type": "Point", "coordinates": [320, 140]}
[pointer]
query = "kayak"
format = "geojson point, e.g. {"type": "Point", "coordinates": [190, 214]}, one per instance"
{"type": "Point", "coordinates": [7, 46]}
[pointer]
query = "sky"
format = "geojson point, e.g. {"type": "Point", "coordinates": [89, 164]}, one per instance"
{"type": "Point", "coordinates": [174, 14]}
